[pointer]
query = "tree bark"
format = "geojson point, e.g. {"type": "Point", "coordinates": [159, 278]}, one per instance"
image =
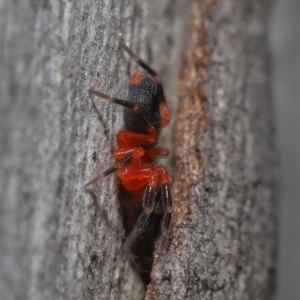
{"type": "Point", "coordinates": [223, 243]}
{"type": "Point", "coordinates": [59, 241]}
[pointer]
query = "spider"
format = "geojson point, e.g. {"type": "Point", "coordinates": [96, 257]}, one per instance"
{"type": "Point", "coordinates": [145, 113]}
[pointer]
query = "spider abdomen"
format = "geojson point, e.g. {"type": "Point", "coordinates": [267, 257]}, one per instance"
{"type": "Point", "coordinates": [142, 92]}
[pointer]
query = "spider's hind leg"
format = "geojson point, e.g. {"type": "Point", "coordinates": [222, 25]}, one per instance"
{"type": "Point", "coordinates": [146, 217]}
{"type": "Point", "coordinates": [157, 201]}
{"type": "Point", "coordinates": [167, 214]}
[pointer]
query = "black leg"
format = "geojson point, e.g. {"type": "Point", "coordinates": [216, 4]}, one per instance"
{"type": "Point", "coordinates": [167, 217]}
{"type": "Point", "coordinates": [147, 216]}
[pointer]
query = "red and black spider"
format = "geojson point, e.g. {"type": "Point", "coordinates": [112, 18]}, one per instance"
{"type": "Point", "coordinates": [145, 113]}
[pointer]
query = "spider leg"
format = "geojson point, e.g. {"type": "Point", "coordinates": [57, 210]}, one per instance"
{"type": "Point", "coordinates": [134, 153]}
{"type": "Point", "coordinates": [141, 63]}
{"type": "Point", "coordinates": [158, 152]}
{"type": "Point", "coordinates": [152, 205]}
{"type": "Point", "coordinates": [167, 217]}
{"type": "Point", "coordinates": [145, 219]}
{"type": "Point", "coordinates": [125, 160]}
{"type": "Point", "coordinates": [136, 108]}
{"type": "Point", "coordinates": [166, 113]}
{"type": "Point", "coordinates": [131, 139]}
{"type": "Point", "coordinates": [111, 99]}
{"type": "Point", "coordinates": [102, 175]}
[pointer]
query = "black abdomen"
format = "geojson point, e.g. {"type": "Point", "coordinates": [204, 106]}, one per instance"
{"type": "Point", "coordinates": [142, 91]}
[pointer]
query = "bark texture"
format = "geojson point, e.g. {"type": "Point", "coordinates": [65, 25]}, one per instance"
{"type": "Point", "coordinates": [58, 241]}
{"type": "Point", "coordinates": [225, 190]}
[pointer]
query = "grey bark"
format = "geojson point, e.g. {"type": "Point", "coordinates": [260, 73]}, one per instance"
{"type": "Point", "coordinates": [58, 241]}
{"type": "Point", "coordinates": [61, 242]}
{"type": "Point", "coordinates": [284, 29]}
{"type": "Point", "coordinates": [224, 229]}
